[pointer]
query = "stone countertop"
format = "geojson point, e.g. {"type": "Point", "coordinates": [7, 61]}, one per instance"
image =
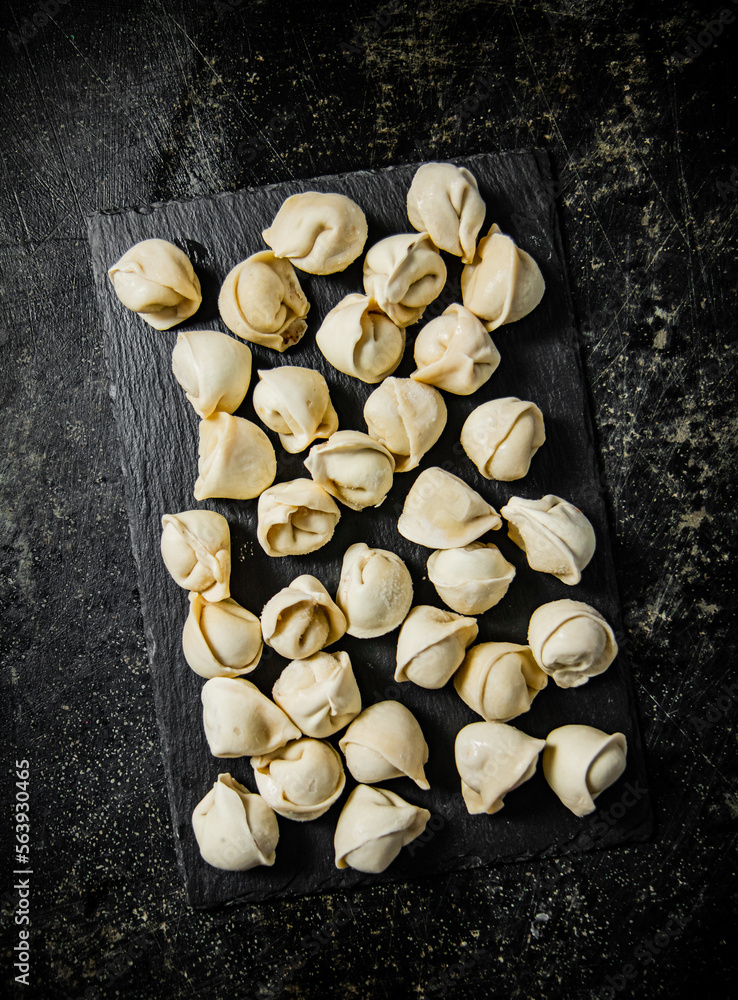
{"type": "Point", "coordinates": [121, 105]}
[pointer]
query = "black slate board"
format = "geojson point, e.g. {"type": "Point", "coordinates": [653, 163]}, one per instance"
{"type": "Point", "coordinates": [158, 435]}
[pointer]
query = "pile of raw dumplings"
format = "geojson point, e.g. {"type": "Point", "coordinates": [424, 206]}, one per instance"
{"type": "Point", "coordinates": [299, 775]}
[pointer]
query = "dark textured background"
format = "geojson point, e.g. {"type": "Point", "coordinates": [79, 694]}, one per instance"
{"type": "Point", "coordinates": [110, 104]}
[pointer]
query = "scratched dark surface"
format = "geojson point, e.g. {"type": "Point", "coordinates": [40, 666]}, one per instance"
{"type": "Point", "coordinates": [113, 105]}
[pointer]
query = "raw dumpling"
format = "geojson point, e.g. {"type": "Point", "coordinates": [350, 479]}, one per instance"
{"type": "Point", "coordinates": [261, 301]}
{"type": "Point", "coordinates": [444, 201]}
{"type": "Point", "coordinates": [431, 645]}
{"type": "Point", "coordinates": [454, 352]}
{"type": "Point", "coordinates": [236, 459]}
{"type": "Point", "coordinates": [319, 233]}
{"type": "Point", "coordinates": [502, 436]}
{"type": "Point", "coordinates": [375, 591]}
{"type": "Point", "coordinates": [221, 639]}
{"type": "Point", "coordinates": [359, 340]}
{"type": "Point", "coordinates": [319, 693]}
{"type": "Point", "coordinates": [234, 828]}
{"type": "Point", "coordinates": [503, 283]}
{"type": "Point", "coordinates": [385, 742]}
{"type": "Point", "coordinates": [213, 369]}
{"type": "Point", "coordinates": [554, 534]}
{"type": "Point", "coordinates": [442, 512]}
{"type": "Point", "coordinates": [404, 274]}
{"type": "Point", "coordinates": [295, 518]}
{"type": "Point", "coordinates": [407, 418]}
{"type": "Point", "coordinates": [571, 642]}
{"type": "Point", "coordinates": [499, 680]}
{"type": "Point", "coordinates": [240, 721]}
{"type": "Point", "coordinates": [300, 781]}
{"type": "Point", "coordinates": [374, 826]}
{"type": "Point", "coordinates": [492, 759]}
{"type": "Point", "coordinates": [295, 403]}
{"type": "Point", "coordinates": [196, 549]}
{"type": "Point", "coordinates": [157, 281]}
{"type": "Point", "coordinates": [353, 467]}
{"type": "Point", "coordinates": [301, 619]}
{"type": "Point", "coordinates": [580, 762]}
{"type": "Point", "coordinates": [472, 579]}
